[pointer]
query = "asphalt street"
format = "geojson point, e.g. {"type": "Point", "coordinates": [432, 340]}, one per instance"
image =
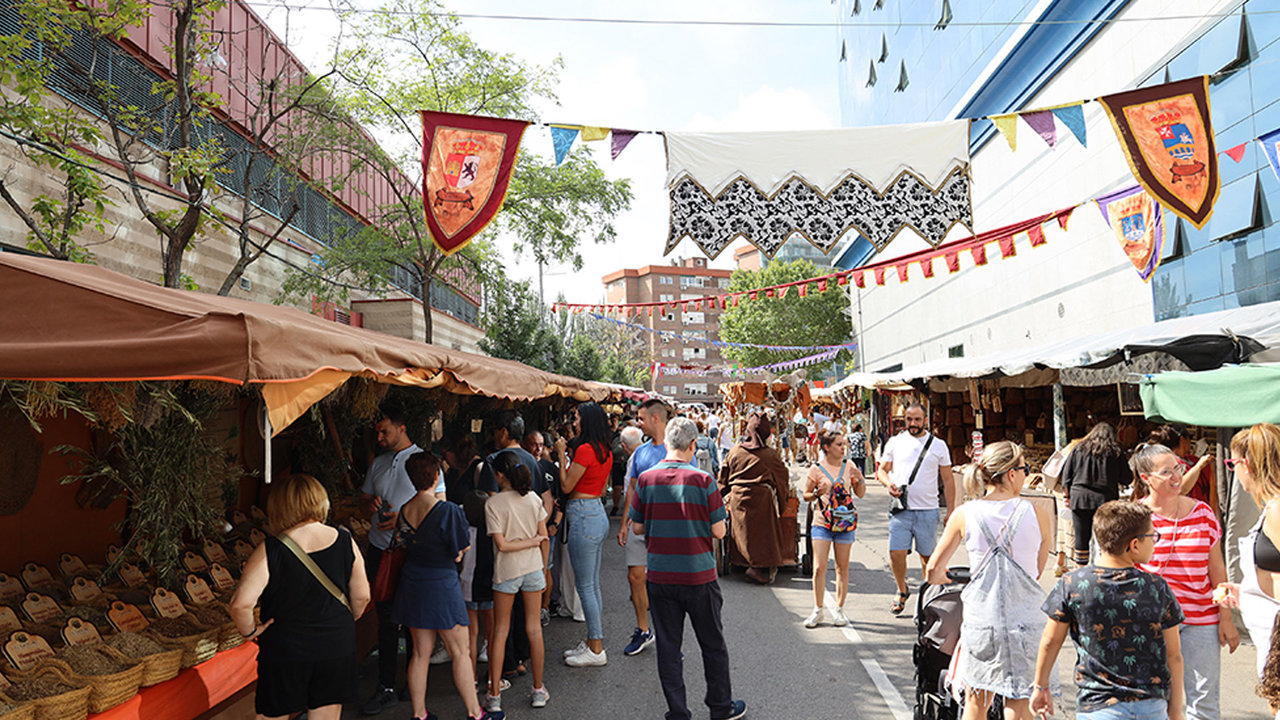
{"type": "Point", "coordinates": [780, 668]}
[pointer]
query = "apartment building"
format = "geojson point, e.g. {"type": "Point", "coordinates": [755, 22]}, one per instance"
{"type": "Point", "coordinates": [679, 333]}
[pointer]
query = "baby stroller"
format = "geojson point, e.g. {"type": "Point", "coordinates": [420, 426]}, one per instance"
{"type": "Point", "coordinates": [939, 613]}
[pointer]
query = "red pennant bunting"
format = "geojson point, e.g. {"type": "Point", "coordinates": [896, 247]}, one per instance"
{"type": "Point", "coordinates": [927, 265]}
{"type": "Point", "coordinates": [902, 272]}
{"type": "Point", "coordinates": [751, 296]}
{"type": "Point", "coordinates": [735, 300]}
{"type": "Point", "coordinates": [980, 254]}
{"type": "Point", "coordinates": [822, 285]}
{"type": "Point", "coordinates": [1063, 218]}
{"type": "Point", "coordinates": [1037, 236]}
{"type": "Point", "coordinates": [803, 290]}
{"type": "Point", "coordinates": [554, 308]}
{"type": "Point", "coordinates": [858, 279]}
{"type": "Point", "coordinates": [842, 279]}
{"type": "Point", "coordinates": [770, 293]}
{"type": "Point", "coordinates": [953, 261]}
{"type": "Point", "coordinates": [684, 307]}
{"type": "Point", "coordinates": [782, 291]}
{"type": "Point", "coordinates": [879, 272]}
{"type": "Point", "coordinates": [1006, 246]}
{"type": "Point", "coordinates": [1236, 153]}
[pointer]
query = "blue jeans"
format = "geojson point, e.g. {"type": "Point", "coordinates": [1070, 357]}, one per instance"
{"type": "Point", "coordinates": [1154, 709]}
{"type": "Point", "coordinates": [1201, 670]}
{"type": "Point", "coordinates": [588, 526]}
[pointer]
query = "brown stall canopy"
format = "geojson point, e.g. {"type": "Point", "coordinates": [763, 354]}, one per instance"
{"type": "Point", "coordinates": [72, 322]}
{"type": "Point", "coordinates": [753, 393]}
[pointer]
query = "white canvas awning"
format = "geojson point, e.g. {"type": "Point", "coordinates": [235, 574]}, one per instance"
{"type": "Point", "coordinates": [1196, 335]}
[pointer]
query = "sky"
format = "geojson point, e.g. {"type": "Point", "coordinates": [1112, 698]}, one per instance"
{"type": "Point", "coordinates": [643, 77]}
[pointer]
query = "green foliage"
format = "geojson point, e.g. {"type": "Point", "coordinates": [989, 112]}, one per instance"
{"type": "Point", "coordinates": [817, 319]}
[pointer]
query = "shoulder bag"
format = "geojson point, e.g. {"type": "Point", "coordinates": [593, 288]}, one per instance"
{"type": "Point", "coordinates": [898, 504]}
{"type": "Point", "coordinates": [315, 570]}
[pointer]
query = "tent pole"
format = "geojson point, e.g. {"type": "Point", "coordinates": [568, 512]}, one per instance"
{"type": "Point", "coordinates": [1059, 418]}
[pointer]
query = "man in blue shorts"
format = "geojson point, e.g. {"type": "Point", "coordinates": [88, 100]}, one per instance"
{"type": "Point", "coordinates": [912, 464]}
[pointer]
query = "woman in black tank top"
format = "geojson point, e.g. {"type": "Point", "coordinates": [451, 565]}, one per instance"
{"type": "Point", "coordinates": [306, 640]}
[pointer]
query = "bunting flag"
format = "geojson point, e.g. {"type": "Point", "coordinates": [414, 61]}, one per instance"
{"type": "Point", "coordinates": [1073, 117]}
{"type": "Point", "coordinates": [591, 133]}
{"type": "Point", "coordinates": [1137, 222]}
{"type": "Point", "coordinates": [1237, 153]}
{"type": "Point", "coordinates": [1271, 148]}
{"type": "Point", "coordinates": [621, 138]}
{"type": "Point", "coordinates": [1041, 121]}
{"type": "Point", "coordinates": [1166, 132]}
{"type": "Point", "coordinates": [767, 186]}
{"type": "Point", "coordinates": [1008, 127]}
{"type": "Point", "coordinates": [466, 165]}
{"type": "Point", "coordinates": [562, 137]}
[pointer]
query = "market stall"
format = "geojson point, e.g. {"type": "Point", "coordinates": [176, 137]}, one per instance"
{"type": "Point", "coordinates": [130, 417]}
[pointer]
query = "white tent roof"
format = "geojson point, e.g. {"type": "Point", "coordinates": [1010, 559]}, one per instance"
{"type": "Point", "coordinates": [1260, 322]}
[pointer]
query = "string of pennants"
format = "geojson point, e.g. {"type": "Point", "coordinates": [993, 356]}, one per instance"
{"type": "Point", "coordinates": [660, 369]}
{"type": "Point", "coordinates": [672, 335]}
{"type": "Point", "coordinates": [948, 252]}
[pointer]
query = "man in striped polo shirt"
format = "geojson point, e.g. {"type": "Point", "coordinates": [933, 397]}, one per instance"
{"type": "Point", "coordinates": [678, 509]}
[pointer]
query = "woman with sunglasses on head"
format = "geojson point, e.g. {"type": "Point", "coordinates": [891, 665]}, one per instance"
{"type": "Point", "coordinates": [998, 640]}
{"type": "Point", "coordinates": [1187, 555]}
{"type": "Point", "coordinates": [1255, 460]}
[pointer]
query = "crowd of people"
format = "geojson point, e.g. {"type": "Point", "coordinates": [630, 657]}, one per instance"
{"type": "Point", "coordinates": [483, 547]}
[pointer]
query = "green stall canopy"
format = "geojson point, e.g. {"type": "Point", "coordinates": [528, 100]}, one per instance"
{"type": "Point", "coordinates": [1231, 396]}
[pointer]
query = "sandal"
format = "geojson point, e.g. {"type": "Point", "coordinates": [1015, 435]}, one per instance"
{"type": "Point", "coordinates": [899, 603]}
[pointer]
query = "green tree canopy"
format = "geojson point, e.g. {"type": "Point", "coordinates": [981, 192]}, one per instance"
{"type": "Point", "coordinates": [816, 319]}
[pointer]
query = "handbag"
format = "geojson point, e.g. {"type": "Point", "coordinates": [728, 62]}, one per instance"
{"type": "Point", "coordinates": [899, 504]}
{"type": "Point", "coordinates": [315, 570]}
{"type": "Point", "coordinates": [387, 579]}
{"type": "Point", "coordinates": [842, 518]}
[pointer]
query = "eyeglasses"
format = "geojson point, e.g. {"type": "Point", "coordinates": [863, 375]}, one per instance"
{"type": "Point", "coordinates": [1023, 468]}
{"type": "Point", "coordinates": [1231, 463]}
{"type": "Point", "coordinates": [1154, 535]}
{"type": "Point", "coordinates": [1175, 471]}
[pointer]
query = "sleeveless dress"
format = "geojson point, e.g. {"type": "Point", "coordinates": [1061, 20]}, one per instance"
{"type": "Point", "coordinates": [307, 658]}
{"type": "Point", "coordinates": [1000, 633]}
{"type": "Point", "coordinates": [429, 595]}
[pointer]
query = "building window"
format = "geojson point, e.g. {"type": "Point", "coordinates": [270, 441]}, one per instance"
{"type": "Point", "coordinates": [669, 316]}
{"type": "Point", "coordinates": [694, 353]}
{"type": "Point", "coordinates": [666, 297]}
{"type": "Point", "coordinates": [695, 389]}
{"type": "Point", "coordinates": [664, 280]}
{"type": "Point", "coordinates": [670, 389]}
{"type": "Point", "coordinates": [668, 352]}
{"type": "Point", "coordinates": [956, 351]}
{"type": "Point", "coordinates": [693, 318]}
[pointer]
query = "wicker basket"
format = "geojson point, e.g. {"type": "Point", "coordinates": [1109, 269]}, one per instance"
{"type": "Point", "coordinates": [24, 711]}
{"type": "Point", "coordinates": [73, 705]}
{"type": "Point", "coordinates": [195, 648]}
{"type": "Point", "coordinates": [112, 690]}
{"type": "Point", "coordinates": [161, 666]}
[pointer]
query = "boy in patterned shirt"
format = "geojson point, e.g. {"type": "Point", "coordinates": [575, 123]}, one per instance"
{"type": "Point", "coordinates": [1124, 623]}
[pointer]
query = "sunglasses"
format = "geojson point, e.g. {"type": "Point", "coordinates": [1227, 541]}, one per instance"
{"type": "Point", "coordinates": [1231, 463]}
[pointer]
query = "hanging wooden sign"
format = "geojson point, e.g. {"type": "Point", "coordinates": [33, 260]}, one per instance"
{"type": "Point", "coordinates": [71, 565]}
{"type": "Point", "coordinates": [221, 578]}
{"type": "Point", "coordinates": [126, 618]}
{"type": "Point", "coordinates": [214, 553]}
{"type": "Point", "coordinates": [193, 562]}
{"type": "Point", "coordinates": [11, 588]}
{"type": "Point", "coordinates": [131, 576]}
{"type": "Point", "coordinates": [85, 590]}
{"type": "Point", "coordinates": [40, 608]}
{"type": "Point", "coordinates": [9, 620]}
{"type": "Point", "coordinates": [79, 632]}
{"type": "Point", "coordinates": [35, 575]}
{"type": "Point", "coordinates": [166, 604]}
{"type": "Point", "coordinates": [198, 590]}
{"type": "Point", "coordinates": [25, 650]}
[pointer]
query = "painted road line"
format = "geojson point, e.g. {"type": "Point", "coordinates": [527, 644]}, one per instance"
{"type": "Point", "coordinates": [892, 698]}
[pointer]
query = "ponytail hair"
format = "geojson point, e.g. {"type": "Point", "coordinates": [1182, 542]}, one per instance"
{"type": "Point", "coordinates": [517, 475]}
{"type": "Point", "coordinates": [825, 438]}
{"type": "Point", "coordinates": [990, 470]}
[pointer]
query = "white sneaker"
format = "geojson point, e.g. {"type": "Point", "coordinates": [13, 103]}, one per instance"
{"type": "Point", "coordinates": [492, 703]}
{"type": "Point", "coordinates": [483, 655]}
{"type": "Point", "coordinates": [814, 619]}
{"type": "Point", "coordinates": [838, 618]}
{"type": "Point", "coordinates": [540, 697]}
{"type": "Point", "coordinates": [576, 649]}
{"type": "Point", "coordinates": [440, 656]}
{"type": "Point", "coordinates": [587, 658]}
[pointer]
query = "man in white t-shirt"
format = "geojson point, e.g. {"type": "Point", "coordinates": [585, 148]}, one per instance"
{"type": "Point", "coordinates": [919, 522]}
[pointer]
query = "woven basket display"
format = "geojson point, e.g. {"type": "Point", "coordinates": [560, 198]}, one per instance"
{"type": "Point", "coordinates": [16, 711]}
{"type": "Point", "coordinates": [195, 648]}
{"type": "Point", "coordinates": [72, 705]}
{"type": "Point", "coordinates": [112, 690]}
{"type": "Point", "coordinates": [161, 666]}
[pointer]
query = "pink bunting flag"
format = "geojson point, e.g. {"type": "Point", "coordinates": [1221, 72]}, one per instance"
{"type": "Point", "coordinates": [1236, 153]}
{"type": "Point", "coordinates": [902, 272]}
{"type": "Point", "coordinates": [620, 140]}
{"type": "Point", "coordinates": [1006, 246]}
{"type": "Point", "coordinates": [927, 265]}
{"type": "Point", "coordinates": [879, 273]}
{"type": "Point", "coordinates": [1036, 233]}
{"type": "Point", "coordinates": [953, 262]}
{"type": "Point", "coordinates": [1041, 121]}
{"type": "Point", "coordinates": [979, 254]}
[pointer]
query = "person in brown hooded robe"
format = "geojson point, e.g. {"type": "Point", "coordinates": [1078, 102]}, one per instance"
{"type": "Point", "coordinates": [755, 480]}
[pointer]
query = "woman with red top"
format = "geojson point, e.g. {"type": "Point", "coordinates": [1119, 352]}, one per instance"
{"type": "Point", "coordinates": [583, 480]}
{"type": "Point", "coordinates": [1189, 559]}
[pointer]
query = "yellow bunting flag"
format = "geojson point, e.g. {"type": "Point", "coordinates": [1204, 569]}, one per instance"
{"type": "Point", "coordinates": [1008, 127]}
{"type": "Point", "coordinates": [591, 132]}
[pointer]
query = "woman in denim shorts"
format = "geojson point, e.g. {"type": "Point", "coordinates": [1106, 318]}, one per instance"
{"type": "Point", "coordinates": [831, 485]}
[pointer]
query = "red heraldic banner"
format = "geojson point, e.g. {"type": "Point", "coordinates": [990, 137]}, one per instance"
{"type": "Point", "coordinates": [466, 165]}
{"type": "Point", "coordinates": [1167, 136]}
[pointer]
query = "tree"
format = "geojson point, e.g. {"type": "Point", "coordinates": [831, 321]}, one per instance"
{"type": "Point", "coordinates": [817, 319]}
{"type": "Point", "coordinates": [516, 327]}
{"type": "Point", "coordinates": [170, 134]}
{"type": "Point", "coordinates": [410, 56]}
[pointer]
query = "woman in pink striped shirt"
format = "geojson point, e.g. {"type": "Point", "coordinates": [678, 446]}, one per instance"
{"type": "Point", "coordinates": [1188, 557]}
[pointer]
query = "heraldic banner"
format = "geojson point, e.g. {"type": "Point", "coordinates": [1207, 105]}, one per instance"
{"type": "Point", "coordinates": [466, 165]}
{"type": "Point", "coordinates": [1167, 136]}
{"type": "Point", "coordinates": [767, 186]}
{"type": "Point", "coordinates": [1137, 221]}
